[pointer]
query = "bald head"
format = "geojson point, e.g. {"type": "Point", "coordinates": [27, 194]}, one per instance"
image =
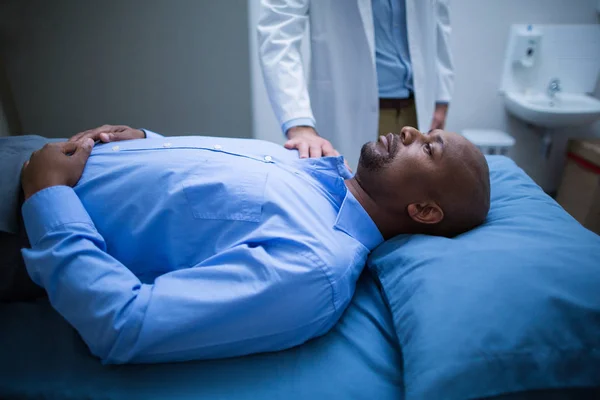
{"type": "Point", "coordinates": [463, 190]}
{"type": "Point", "coordinates": [434, 184]}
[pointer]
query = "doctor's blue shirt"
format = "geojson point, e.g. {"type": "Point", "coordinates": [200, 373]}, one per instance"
{"type": "Point", "coordinates": [392, 56]}
{"type": "Point", "coordinates": [180, 248]}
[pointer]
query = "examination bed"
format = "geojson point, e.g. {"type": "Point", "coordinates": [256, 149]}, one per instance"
{"type": "Point", "coordinates": [510, 309]}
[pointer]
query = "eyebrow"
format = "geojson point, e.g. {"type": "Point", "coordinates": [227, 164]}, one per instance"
{"type": "Point", "coordinates": [439, 139]}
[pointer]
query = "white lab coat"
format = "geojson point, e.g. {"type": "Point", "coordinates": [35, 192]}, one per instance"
{"type": "Point", "coordinates": [343, 80]}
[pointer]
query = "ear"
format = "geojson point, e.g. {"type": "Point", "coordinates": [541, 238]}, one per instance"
{"type": "Point", "coordinates": [425, 213]}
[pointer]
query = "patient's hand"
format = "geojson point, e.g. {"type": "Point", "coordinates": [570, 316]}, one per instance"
{"type": "Point", "coordinates": [109, 133]}
{"type": "Point", "coordinates": [55, 164]}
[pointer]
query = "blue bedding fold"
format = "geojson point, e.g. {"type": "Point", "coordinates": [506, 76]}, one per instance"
{"type": "Point", "coordinates": [42, 356]}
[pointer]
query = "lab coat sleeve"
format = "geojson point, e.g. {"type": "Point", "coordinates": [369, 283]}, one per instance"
{"type": "Point", "coordinates": [281, 27]}
{"type": "Point", "coordinates": [444, 64]}
{"type": "Point", "coordinates": [242, 301]}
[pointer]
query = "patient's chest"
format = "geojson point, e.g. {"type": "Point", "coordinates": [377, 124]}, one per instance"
{"type": "Point", "coordinates": [161, 211]}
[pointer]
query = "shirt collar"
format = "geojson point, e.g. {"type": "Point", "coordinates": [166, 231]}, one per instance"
{"type": "Point", "coordinates": [354, 220]}
{"type": "Point", "coordinates": [334, 165]}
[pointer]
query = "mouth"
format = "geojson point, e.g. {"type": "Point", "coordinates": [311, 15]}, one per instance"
{"type": "Point", "coordinates": [383, 140]}
{"type": "Point", "coordinates": [386, 141]}
{"type": "Point", "coordinates": [390, 140]}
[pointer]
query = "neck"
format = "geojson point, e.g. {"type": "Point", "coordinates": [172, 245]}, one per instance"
{"type": "Point", "coordinates": [387, 224]}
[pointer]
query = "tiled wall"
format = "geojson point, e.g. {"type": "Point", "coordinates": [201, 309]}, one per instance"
{"type": "Point", "coordinates": [570, 53]}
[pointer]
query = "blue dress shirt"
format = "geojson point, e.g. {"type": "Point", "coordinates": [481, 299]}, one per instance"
{"type": "Point", "coordinates": [183, 248]}
{"type": "Point", "coordinates": [392, 57]}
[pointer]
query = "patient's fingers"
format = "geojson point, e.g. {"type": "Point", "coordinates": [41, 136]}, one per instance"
{"type": "Point", "coordinates": [106, 137]}
{"type": "Point", "coordinates": [76, 137]}
{"type": "Point", "coordinates": [83, 150]}
{"type": "Point", "coordinates": [91, 133]}
{"type": "Point", "coordinates": [94, 134]}
{"type": "Point", "coordinates": [68, 147]}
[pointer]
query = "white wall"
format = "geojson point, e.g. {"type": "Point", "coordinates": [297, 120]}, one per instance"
{"type": "Point", "coordinates": [479, 37]}
{"type": "Point", "coordinates": [176, 67]}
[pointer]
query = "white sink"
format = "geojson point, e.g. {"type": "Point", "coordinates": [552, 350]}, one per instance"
{"type": "Point", "coordinates": [565, 109]}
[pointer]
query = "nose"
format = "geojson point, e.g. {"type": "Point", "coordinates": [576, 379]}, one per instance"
{"type": "Point", "coordinates": [408, 135]}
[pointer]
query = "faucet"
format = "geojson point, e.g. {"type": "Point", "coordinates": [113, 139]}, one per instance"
{"type": "Point", "coordinates": [553, 88]}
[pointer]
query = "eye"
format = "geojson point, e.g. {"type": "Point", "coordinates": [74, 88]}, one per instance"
{"type": "Point", "coordinates": [428, 149]}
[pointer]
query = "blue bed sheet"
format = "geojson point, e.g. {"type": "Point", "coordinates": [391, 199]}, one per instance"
{"type": "Point", "coordinates": [42, 356]}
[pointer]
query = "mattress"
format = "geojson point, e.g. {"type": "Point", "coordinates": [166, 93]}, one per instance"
{"type": "Point", "coordinates": [42, 356]}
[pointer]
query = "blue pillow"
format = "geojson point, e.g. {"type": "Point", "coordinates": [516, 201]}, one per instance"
{"type": "Point", "coordinates": [513, 305]}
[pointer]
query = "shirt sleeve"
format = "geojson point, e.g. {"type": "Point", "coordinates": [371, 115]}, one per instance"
{"type": "Point", "coordinates": [244, 300]}
{"type": "Point", "coordinates": [150, 134]}
{"type": "Point", "coordinates": [444, 63]}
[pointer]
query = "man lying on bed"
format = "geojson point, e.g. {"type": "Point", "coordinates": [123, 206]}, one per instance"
{"type": "Point", "coordinates": [185, 248]}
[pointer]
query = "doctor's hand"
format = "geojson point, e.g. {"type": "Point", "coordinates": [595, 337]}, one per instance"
{"type": "Point", "coordinates": [55, 164]}
{"type": "Point", "coordinates": [109, 133]}
{"type": "Point", "coordinates": [309, 143]}
{"type": "Point", "coordinates": [439, 116]}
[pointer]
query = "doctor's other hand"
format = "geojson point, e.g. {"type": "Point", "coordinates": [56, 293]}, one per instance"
{"type": "Point", "coordinates": [439, 116]}
{"type": "Point", "coordinates": [109, 133]}
{"type": "Point", "coordinates": [309, 143]}
{"type": "Point", "coordinates": [55, 164]}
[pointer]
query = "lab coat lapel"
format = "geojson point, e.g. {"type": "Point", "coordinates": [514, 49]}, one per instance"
{"type": "Point", "coordinates": [366, 14]}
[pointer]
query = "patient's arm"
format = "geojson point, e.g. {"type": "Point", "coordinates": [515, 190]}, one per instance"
{"type": "Point", "coordinates": [244, 300]}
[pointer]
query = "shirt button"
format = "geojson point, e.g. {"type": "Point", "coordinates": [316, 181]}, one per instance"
{"type": "Point", "coordinates": [167, 144]}
{"type": "Point", "coordinates": [268, 158]}
{"type": "Point", "coordinates": [217, 147]}
{"type": "Point", "coordinates": [116, 148]}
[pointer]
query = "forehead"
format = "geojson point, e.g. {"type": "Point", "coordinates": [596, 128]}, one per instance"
{"type": "Point", "coordinates": [455, 145]}
{"type": "Point", "coordinates": [459, 158]}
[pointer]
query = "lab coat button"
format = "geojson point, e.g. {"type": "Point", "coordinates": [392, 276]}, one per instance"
{"type": "Point", "coordinates": [217, 147]}
{"type": "Point", "coordinates": [268, 158]}
{"type": "Point", "coordinates": [167, 144]}
{"type": "Point", "coordinates": [116, 148]}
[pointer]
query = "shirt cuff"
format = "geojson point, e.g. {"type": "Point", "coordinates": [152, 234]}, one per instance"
{"type": "Point", "coordinates": [297, 122]}
{"type": "Point", "coordinates": [150, 134]}
{"type": "Point", "coordinates": [442, 102]}
{"type": "Point", "coordinates": [50, 208]}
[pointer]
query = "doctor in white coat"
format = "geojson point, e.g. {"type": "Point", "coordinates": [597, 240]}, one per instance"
{"type": "Point", "coordinates": [364, 53]}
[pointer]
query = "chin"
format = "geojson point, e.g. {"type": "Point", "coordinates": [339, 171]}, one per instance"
{"type": "Point", "coordinates": [371, 158]}
{"type": "Point", "coordinates": [366, 152]}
